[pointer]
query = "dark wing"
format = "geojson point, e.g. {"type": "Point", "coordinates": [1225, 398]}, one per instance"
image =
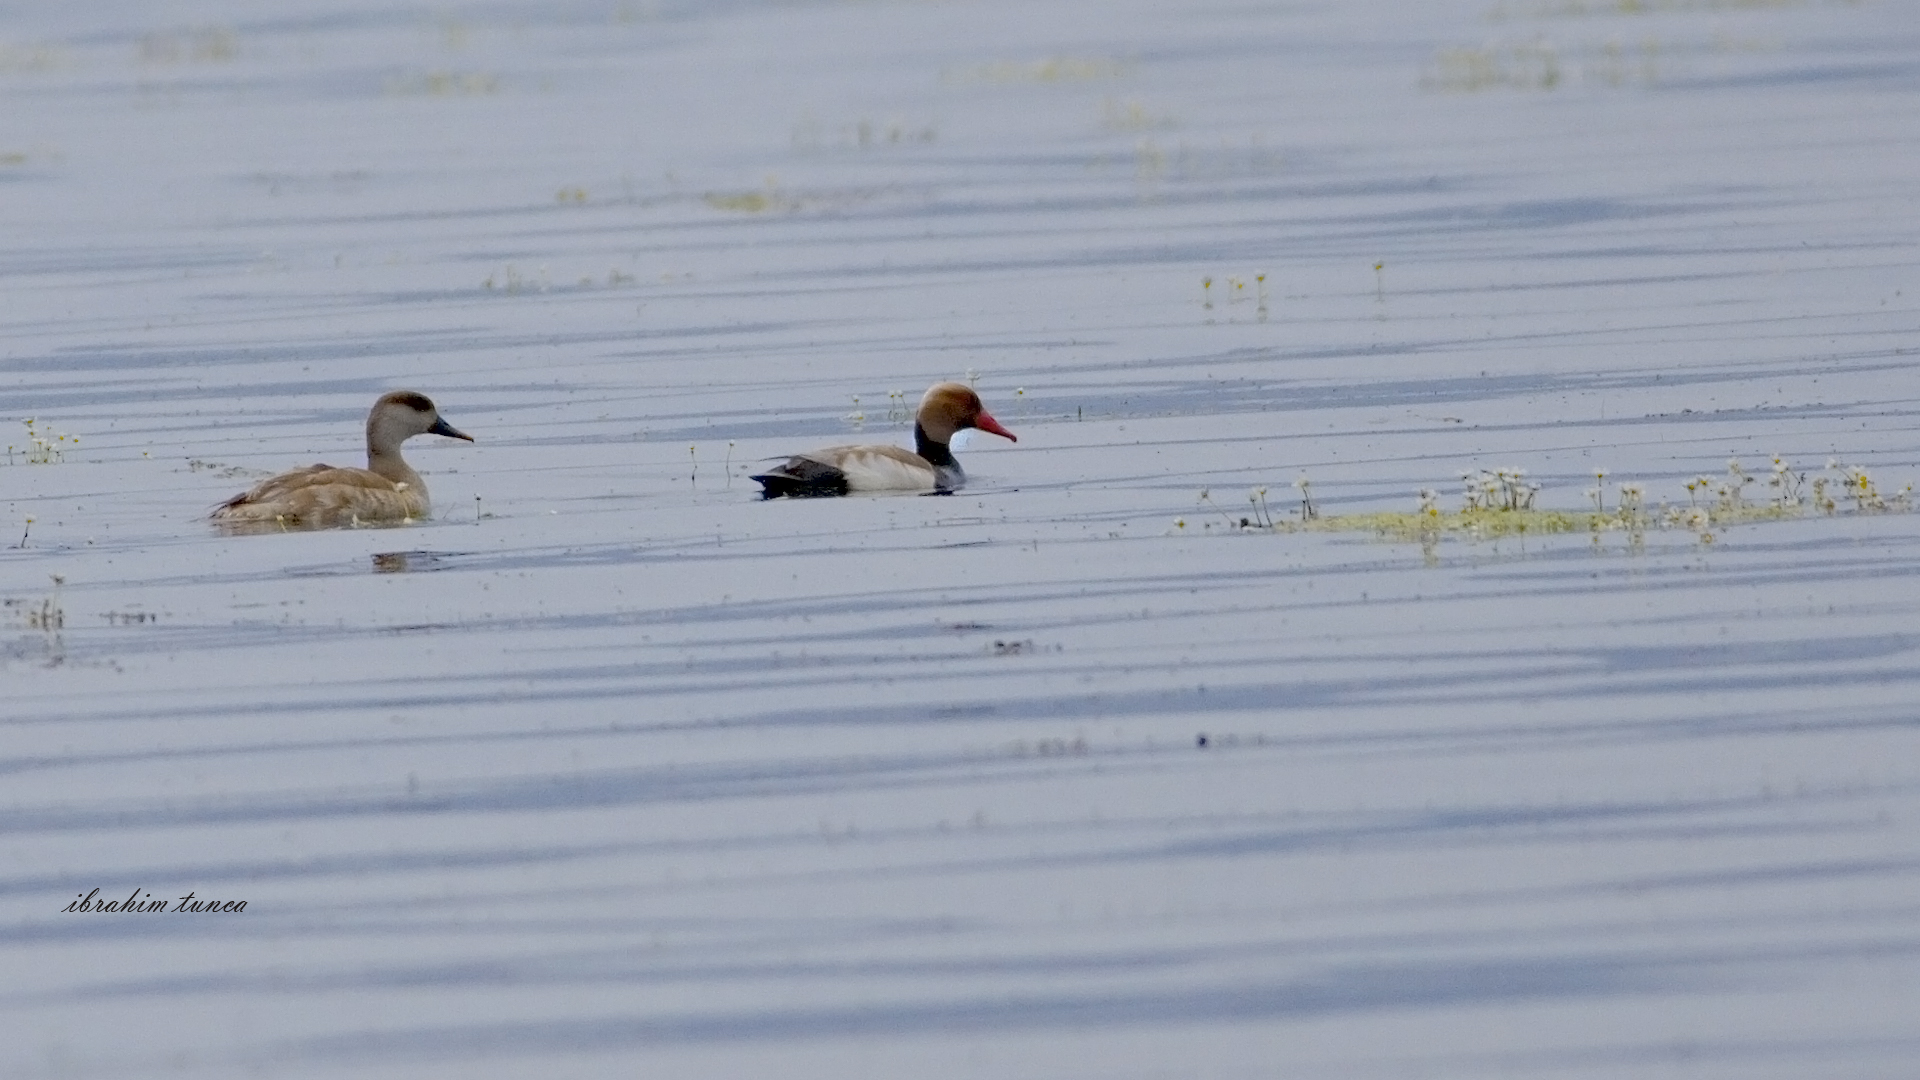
{"type": "Point", "coordinates": [802, 477]}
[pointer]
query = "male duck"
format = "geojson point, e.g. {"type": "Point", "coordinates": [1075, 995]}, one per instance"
{"type": "Point", "coordinates": [840, 470]}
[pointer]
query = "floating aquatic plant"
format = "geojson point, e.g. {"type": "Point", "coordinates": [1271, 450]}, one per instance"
{"type": "Point", "coordinates": [47, 616]}
{"type": "Point", "coordinates": [1261, 514]}
{"type": "Point", "coordinates": [1500, 489]}
{"type": "Point", "coordinates": [31, 58]}
{"type": "Point", "coordinates": [44, 446]}
{"type": "Point", "coordinates": [743, 202]}
{"type": "Point", "coordinates": [444, 84]}
{"type": "Point", "coordinates": [209, 45]}
{"type": "Point", "coordinates": [772, 198]}
{"type": "Point", "coordinates": [1501, 503]}
{"type": "Point", "coordinates": [1133, 116]}
{"type": "Point", "coordinates": [863, 134]}
{"type": "Point", "coordinates": [512, 281]}
{"type": "Point", "coordinates": [1053, 69]}
{"type": "Point", "coordinates": [1236, 289]}
{"type": "Point", "coordinates": [1533, 65]}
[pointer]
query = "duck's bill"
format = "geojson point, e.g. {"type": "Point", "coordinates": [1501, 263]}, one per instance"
{"type": "Point", "coordinates": [986, 422]}
{"type": "Point", "coordinates": [441, 427]}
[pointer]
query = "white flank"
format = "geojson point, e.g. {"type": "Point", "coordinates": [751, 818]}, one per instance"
{"type": "Point", "coordinates": [874, 470]}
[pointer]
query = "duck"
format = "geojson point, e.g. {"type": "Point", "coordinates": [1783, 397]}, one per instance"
{"type": "Point", "coordinates": [387, 491]}
{"type": "Point", "coordinates": [929, 467]}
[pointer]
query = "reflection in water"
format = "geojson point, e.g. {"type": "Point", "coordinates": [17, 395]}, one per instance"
{"type": "Point", "coordinates": [402, 562]}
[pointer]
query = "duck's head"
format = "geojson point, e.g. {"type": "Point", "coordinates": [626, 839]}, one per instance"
{"type": "Point", "coordinates": [401, 415]}
{"type": "Point", "coordinates": [950, 407]}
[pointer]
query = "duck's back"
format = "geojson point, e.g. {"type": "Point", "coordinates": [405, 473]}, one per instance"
{"type": "Point", "coordinates": [321, 496]}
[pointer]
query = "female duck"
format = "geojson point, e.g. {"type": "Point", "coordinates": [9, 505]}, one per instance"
{"type": "Point", "coordinates": [839, 470]}
{"type": "Point", "coordinates": [324, 497]}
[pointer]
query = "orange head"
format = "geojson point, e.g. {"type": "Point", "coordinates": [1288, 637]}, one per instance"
{"type": "Point", "coordinates": [950, 407]}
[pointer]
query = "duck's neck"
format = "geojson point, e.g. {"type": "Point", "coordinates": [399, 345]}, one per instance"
{"type": "Point", "coordinates": [937, 453]}
{"type": "Point", "coordinates": [946, 471]}
{"type": "Point", "coordinates": [388, 463]}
